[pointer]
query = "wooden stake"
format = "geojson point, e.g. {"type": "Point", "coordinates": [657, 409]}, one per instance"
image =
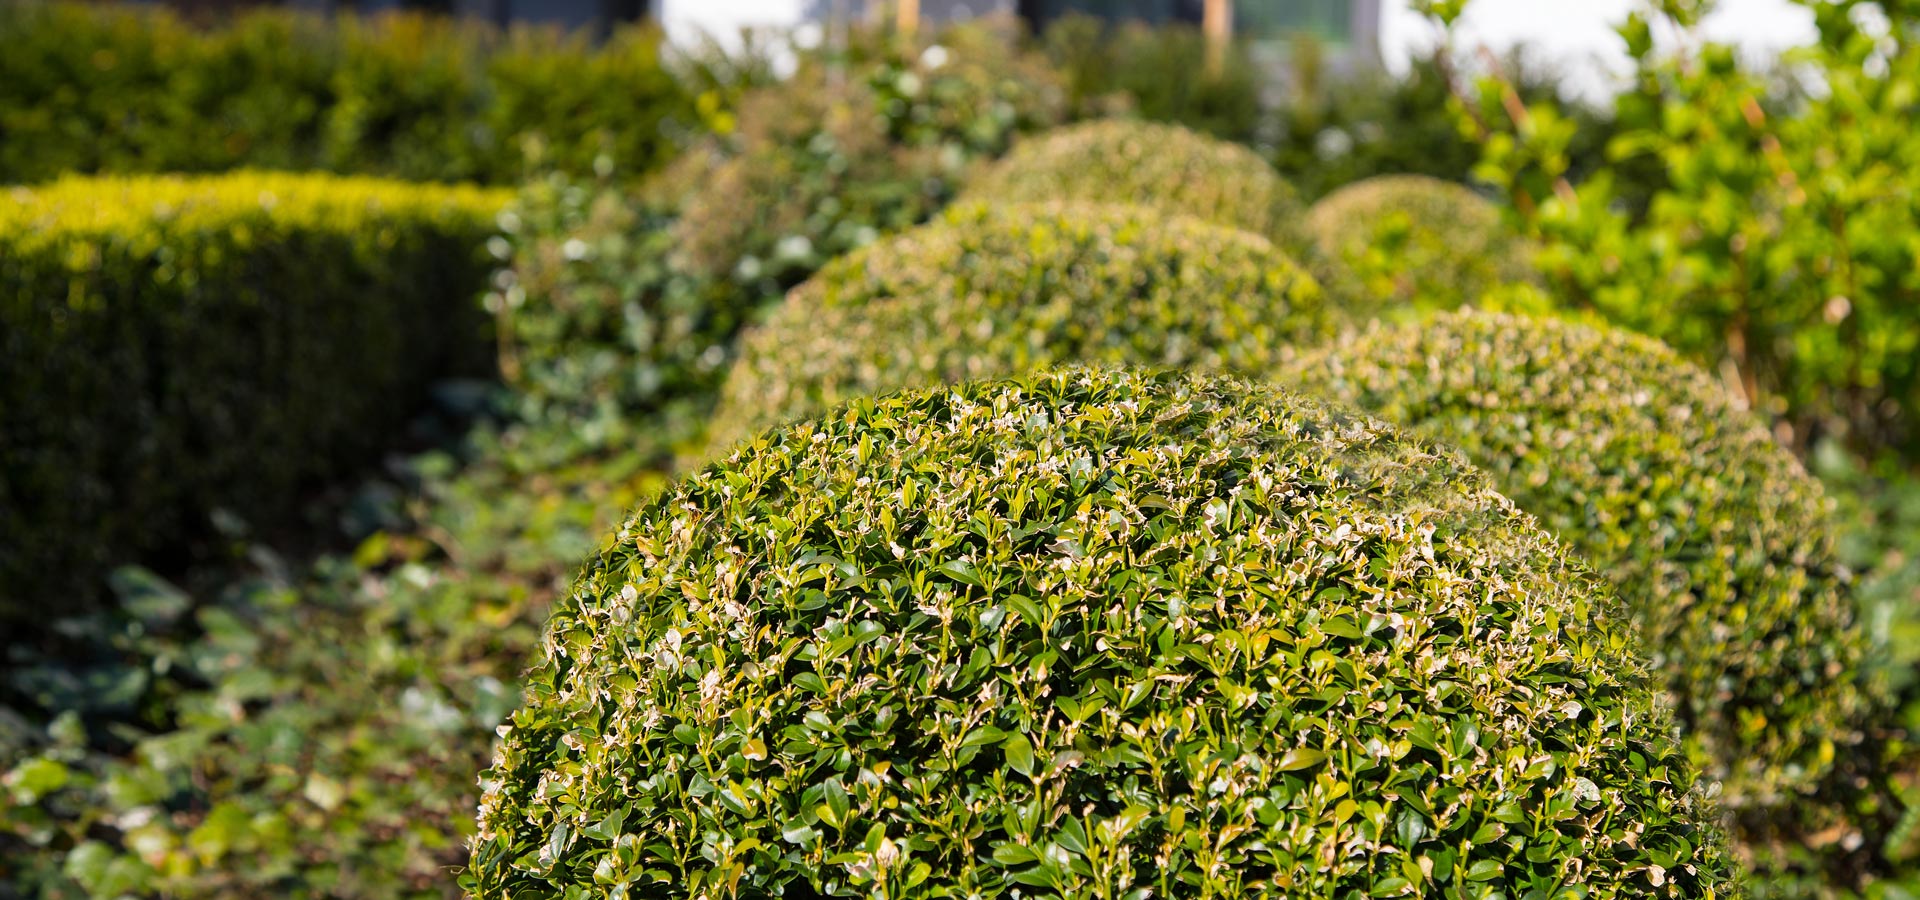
{"type": "Point", "coordinates": [1216, 22]}
{"type": "Point", "coordinates": [907, 16]}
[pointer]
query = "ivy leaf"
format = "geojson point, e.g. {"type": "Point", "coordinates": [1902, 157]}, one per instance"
{"type": "Point", "coordinates": [35, 778]}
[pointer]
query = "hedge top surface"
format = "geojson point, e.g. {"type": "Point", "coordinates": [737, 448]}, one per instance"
{"type": "Point", "coordinates": [1716, 537]}
{"type": "Point", "coordinates": [1088, 633]}
{"type": "Point", "coordinates": [1396, 243]}
{"type": "Point", "coordinates": [999, 290]}
{"type": "Point", "coordinates": [124, 207]}
{"type": "Point", "coordinates": [1168, 168]}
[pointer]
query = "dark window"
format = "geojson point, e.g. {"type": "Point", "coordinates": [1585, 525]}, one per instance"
{"type": "Point", "coordinates": [1328, 20]}
{"type": "Point", "coordinates": [1041, 12]}
{"type": "Point", "coordinates": [623, 10]}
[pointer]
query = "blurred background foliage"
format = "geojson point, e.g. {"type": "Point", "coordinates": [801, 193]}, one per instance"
{"type": "Point", "coordinates": [104, 88]}
{"type": "Point", "coordinates": [302, 716]}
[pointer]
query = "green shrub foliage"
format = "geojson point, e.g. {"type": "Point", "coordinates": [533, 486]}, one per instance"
{"type": "Point", "coordinates": [1088, 633]}
{"type": "Point", "coordinates": [1164, 167]}
{"type": "Point", "coordinates": [1164, 72]}
{"type": "Point", "coordinates": [170, 347]}
{"type": "Point", "coordinates": [816, 175]}
{"type": "Point", "coordinates": [119, 88]}
{"type": "Point", "coordinates": [835, 156]}
{"type": "Point", "coordinates": [1772, 231]}
{"type": "Point", "coordinates": [1717, 538]}
{"type": "Point", "coordinates": [1337, 127]}
{"type": "Point", "coordinates": [1000, 290]}
{"type": "Point", "coordinates": [1399, 243]}
{"type": "Point", "coordinates": [596, 325]}
{"type": "Point", "coordinates": [306, 732]}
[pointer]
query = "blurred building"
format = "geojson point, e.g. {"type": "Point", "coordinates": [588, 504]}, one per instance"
{"type": "Point", "coordinates": [588, 14]}
{"type": "Point", "coordinates": [1348, 31]}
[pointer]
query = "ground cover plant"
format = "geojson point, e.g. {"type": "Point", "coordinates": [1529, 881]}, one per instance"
{"type": "Point", "coordinates": [1088, 633]}
{"type": "Point", "coordinates": [1163, 167]}
{"type": "Point", "coordinates": [137, 317]}
{"type": "Point", "coordinates": [999, 289]}
{"type": "Point", "coordinates": [309, 730]}
{"type": "Point", "coordinates": [1397, 244]}
{"type": "Point", "coordinates": [1719, 541]}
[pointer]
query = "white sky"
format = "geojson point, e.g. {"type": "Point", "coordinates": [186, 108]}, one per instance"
{"type": "Point", "coordinates": [1576, 35]}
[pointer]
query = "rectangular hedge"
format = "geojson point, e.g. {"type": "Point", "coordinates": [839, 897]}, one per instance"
{"type": "Point", "coordinates": [108, 88]}
{"type": "Point", "coordinates": [172, 346]}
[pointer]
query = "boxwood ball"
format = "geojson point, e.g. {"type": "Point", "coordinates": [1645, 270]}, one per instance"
{"type": "Point", "coordinates": [1088, 633]}
{"type": "Point", "coordinates": [1395, 244]}
{"type": "Point", "coordinates": [1001, 290]}
{"type": "Point", "coordinates": [1718, 540]}
{"type": "Point", "coordinates": [1167, 168]}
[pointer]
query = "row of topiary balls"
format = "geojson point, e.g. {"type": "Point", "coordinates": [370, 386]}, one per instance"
{"type": "Point", "coordinates": [1165, 631]}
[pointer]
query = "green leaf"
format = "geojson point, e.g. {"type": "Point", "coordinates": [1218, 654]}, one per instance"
{"type": "Point", "coordinates": [1019, 753]}
{"type": "Point", "coordinates": [226, 827]}
{"type": "Point", "coordinates": [1028, 610]}
{"type": "Point", "coordinates": [837, 804]}
{"type": "Point", "coordinates": [1485, 870]}
{"type": "Point", "coordinates": [1411, 829]}
{"type": "Point", "coordinates": [608, 828]}
{"type": "Point", "coordinates": [962, 571]}
{"type": "Point", "coordinates": [1300, 758]}
{"type": "Point", "coordinates": [104, 873]}
{"type": "Point", "coordinates": [35, 778]}
{"type": "Point", "coordinates": [324, 792]}
{"type": "Point", "coordinates": [1011, 854]}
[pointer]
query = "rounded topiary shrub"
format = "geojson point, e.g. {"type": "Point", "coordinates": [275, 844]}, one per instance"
{"type": "Point", "coordinates": [999, 290]}
{"type": "Point", "coordinates": [1088, 633]}
{"type": "Point", "coordinates": [1716, 537]}
{"type": "Point", "coordinates": [1164, 167]}
{"type": "Point", "coordinates": [1397, 243]}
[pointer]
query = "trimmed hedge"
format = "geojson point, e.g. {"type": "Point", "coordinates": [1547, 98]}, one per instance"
{"type": "Point", "coordinates": [1397, 243]}
{"type": "Point", "coordinates": [1000, 290]}
{"type": "Point", "coordinates": [1717, 538]}
{"type": "Point", "coordinates": [123, 88]}
{"type": "Point", "coordinates": [172, 346]}
{"type": "Point", "coordinates": [1088, 633]}
{"type": "Point", "coordinates": [1164, 167]}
